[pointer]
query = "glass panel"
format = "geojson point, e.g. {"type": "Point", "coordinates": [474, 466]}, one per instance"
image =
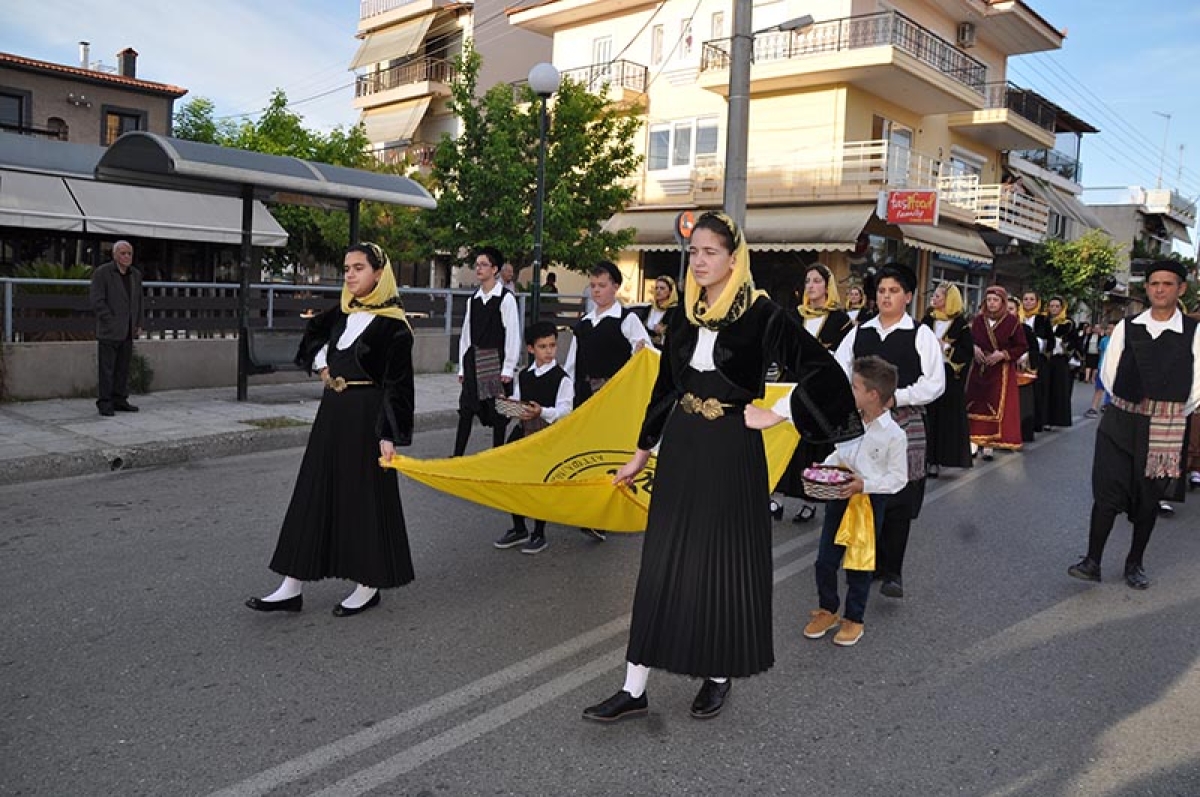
{"type": "Point", "coordinates": [10, 110]}
{"type": "Point", "coordinates": [706, 136]}
{"type": "Point", "coordinates": [685, 38]}
{"type": "Point", "coordinates": [681, 148]}
{"type": "Point", "coordinates": [660, 143]}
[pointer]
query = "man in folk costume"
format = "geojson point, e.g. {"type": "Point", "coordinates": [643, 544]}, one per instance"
{"type": "Point", "coordinates": [917, 355]}
{"type": "Point", "coordinates": [1152, 370]}
{"type": "Point", "coordinates": [488, 349]}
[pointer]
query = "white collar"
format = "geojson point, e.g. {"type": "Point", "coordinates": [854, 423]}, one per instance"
{"type": "Point", "coordinates": [1174, 323]}
{"type": "Point", "coordinates": [497, 290]}
{"type": "Point", "coordinates": [613, 311]}
{"type": "Point", "coordinates": [540, 370]}
{"type": "Point", "coordinates": [905, 322]}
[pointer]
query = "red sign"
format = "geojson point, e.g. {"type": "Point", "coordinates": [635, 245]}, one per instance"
{"type": "Point", "coordinates": [912, 207]}
{"type": "Point", "coordinates": [684, 223]}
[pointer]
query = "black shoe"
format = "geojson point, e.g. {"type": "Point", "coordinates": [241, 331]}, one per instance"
{"type": "Point", "coordinates": [595, 534]}
{"type": "Point", "coordinates": [892, 587]}
{"type": "Point", "coordinates": [806, 513]}
{"type": "Point", "coordinates": [1086, 569]}
{"type": "Point", "coordinates": [294, 604]}
{"type": "Point", "coordinates": [776, 510]}
{"type": "Point", "coordinates": [932, 471]}
{"type": "Point", "coordinates": [710, 699]}
{"type": "Point", "coordinates": [622, 704]}
{"type": "Point", "coordinates": [342, 611]}
{"type": "Point", "coordinates": [511, 539]}
{"type": "Point", "coordinates": [535, 545]}
{"type": "Point", "coordinates": [124, 406]}
{"type": "Point", "coordinates": [107, 412]}
{"type": "Point", "coordinates": [1165, 509]}
{"type": "Point", "coordinates": [1135, 577]}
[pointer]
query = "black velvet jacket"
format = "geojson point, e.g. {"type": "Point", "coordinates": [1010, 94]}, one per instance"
{"type": "Point", "coordinates": [384, 352]}
{"type": "Point", "coordinates": [822, 404]}
{"type": "Point", "coordinates": [958, 346]}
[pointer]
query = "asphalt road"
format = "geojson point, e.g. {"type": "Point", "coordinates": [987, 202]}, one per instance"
{"type": "Point", "coordinates": [128, 665]}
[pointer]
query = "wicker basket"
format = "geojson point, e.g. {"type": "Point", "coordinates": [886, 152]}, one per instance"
{"type": "Point", "coordinates": [826, 491]}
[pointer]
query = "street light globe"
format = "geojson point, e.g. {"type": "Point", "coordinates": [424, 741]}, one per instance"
{"type": "Point", "coordinates": [544, 79]}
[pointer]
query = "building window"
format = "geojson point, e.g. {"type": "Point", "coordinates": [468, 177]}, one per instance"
{"type": "Point", "coordinates": [681, 143]}
{"type": "Point", "coordinates": [718, 25]}
{"type": "Point", "coordinates": [656, 45]}
{"type": "Point", "coordinates": [118, 121]}
{"type": "Point", "coordinates": [970, 285]}
{"type": "Point", "coordinates": [685, 38]}
{"type": "Point", "coordinates": [13, 110]}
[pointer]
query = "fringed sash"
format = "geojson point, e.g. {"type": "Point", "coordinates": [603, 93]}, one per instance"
{"type": "Point", "coordinates": [1168, 424]}
{"type": "Point", "coordinates": [912, 421]}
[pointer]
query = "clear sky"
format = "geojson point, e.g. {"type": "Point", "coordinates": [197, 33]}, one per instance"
{"type": "Point", "coordinates": [1123, 64]}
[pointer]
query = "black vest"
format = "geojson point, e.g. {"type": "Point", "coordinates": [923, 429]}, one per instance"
{"type": "Point", "coordinates": [487, 325]}
{"type": "Point", "coordinates": [899, 348]}
{"type": "Point", "coordinates": [601, 349]}
{"type": "Point", "coordinates": [542, 389]}
{"type": "Point", "coordinates": [1156, 369]}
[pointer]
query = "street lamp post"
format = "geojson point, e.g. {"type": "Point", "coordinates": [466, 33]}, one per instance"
{"type": "Point", "coordinates": [741, 54]}
{"type": "Point", "coordinates": [544, 80]}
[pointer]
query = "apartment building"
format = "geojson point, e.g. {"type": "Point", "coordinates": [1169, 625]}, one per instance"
{"type": "Point", "coordinates": [874, 96]}
{"type": "Point", "coordinates": [406, 65]}
{"type": "Point", "coordinates": [1147, 222]}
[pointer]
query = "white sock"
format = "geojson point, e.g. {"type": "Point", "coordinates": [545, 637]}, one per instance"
{"type": "Point", "coordinates": [636, 676]}
{"type": "Point", "coordinates": [359, 597]}
{"type": "Point", "coordinates": [718, 680]}
{"type": "Point", "coordinates": [290, 588]}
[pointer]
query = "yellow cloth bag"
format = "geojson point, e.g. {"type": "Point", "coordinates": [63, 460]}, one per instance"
{"type": "Point", "coordinates": [857, 533]}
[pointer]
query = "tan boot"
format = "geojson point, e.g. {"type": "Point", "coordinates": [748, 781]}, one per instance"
{"type": "Point", "coordinates": [820, 621]}
{"type": "Point", "coordinates": [848, 634]}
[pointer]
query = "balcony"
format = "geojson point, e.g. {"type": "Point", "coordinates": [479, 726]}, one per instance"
{"type": "Point", "coordinates": [1165, 202]}
{"type": "Point", "coordinates": [1013, 118]}
{"type": "Point", "coordinates": [376, 14]}
{"type": "Point", "coordinates": [1052, 160]}
{"type": "Point", "coordinates": [419, 156]}
{"type": "Point", "coordinates": [421, 77]}
{"type": "Point", "coordinates": [1011, 213]}
{"type": "Point", "coordinates": [619, 82]}
{"type": "Point", "coordinates": [886, 54]}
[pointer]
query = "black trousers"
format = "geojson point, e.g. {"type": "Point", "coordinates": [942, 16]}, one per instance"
{"type": "Point", "coordinates": [1119, 484]}
{"type": "Point", "coordinates": [114, 358]}
{"type": "Point", "coordinates": [898, 516]}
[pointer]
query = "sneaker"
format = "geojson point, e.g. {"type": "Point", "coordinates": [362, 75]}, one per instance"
{"type": "Point", "coordinates": [820, 621]}
{"type": "Point", "coordinates": [1091, 413]}
{"type": "Point", "coordinates": [595, 534]}
{"type": "Point", "coordinates": [511, 539]}
{"type": "Point", "coordinates": [1165, 509]}
{"type": "Point", "coordinates": [987, 454]}
{"type": "Point", "coordinates": [892, 587]}
{"type": "Point", "coordinates": [848, 634]}
{"type": "Point", "coordinates": [535, 545]}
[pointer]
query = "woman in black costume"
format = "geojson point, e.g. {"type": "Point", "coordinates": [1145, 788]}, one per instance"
{"type": "Point", "coordinates": [703, 601]}
{"type": "Point", "coordinates": [345, 519]}
{"type": "Point", "coordinates": [948, 441]}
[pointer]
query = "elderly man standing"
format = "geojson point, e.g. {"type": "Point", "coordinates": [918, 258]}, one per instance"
{"type": "Point", "coordinates": [116, 298]}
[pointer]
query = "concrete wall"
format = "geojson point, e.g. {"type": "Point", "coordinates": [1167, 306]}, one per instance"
{"type": "Point", "coordinates": [59, 370]}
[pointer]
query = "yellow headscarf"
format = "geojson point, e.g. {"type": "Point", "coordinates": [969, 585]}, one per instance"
{"type": "Point", "coordinates": [954, 303]}
{"type": "Point", "coordinates": [1025, 316]}
{"type": "Point", "coordinates": [862, 302]}
{"type": "Point", "coordinates": [739, 293]}
{"type": "Point", "coordinates": [1061, 318]}
{"type": "Point", "coordinates": [384, 299]}
{"type": "Point", "coordinates": [832, 301]}
{"type": "Point", "coordinates": [672, 297]}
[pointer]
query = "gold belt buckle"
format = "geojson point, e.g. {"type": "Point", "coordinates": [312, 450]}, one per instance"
{"type": "Point", "coordinates": [710, 409]}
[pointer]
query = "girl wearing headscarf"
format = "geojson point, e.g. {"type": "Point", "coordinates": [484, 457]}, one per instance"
{"type": "Point", "coordinates": [824, 319]}
{"type": "Point", "coordinates": [1057, 369]}
{"type": "Point", "coordinates": [855, 302]}
{"type": "Point", "coordinates": [345, 519]}
{"type": "Point", "coordinates": [1026, 378]}
{"type": "Point", "coordinates": [702, 606]}
{"type": "Point", "coordinates": [993, 404]}
{"type": "Point", "coordinates": [1037, 335]}
{"type": "Point", "coordinates": [665, 305]}
{"type": "Point", "coordinates": [948, 444]}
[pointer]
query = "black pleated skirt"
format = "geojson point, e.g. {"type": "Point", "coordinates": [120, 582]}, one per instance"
{"type": "Point", "coordinates": [949, 435]}
{"type": "Point", "coordinates": [1059, 386]}
{"type": "Point", "coordinates": [703, 600]}
{"type": "Point", "coordinates": [345, 519]}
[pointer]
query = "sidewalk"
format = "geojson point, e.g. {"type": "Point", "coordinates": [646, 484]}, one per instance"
{"type": "Point", "coordinates": [68, 437]}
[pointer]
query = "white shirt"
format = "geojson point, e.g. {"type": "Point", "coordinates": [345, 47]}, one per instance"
{"type": "Point", "coordinates": [632, 328]}
{"type": "Point", "coordinates": [355, 324]}
{"type": "Point", "coordinates": [654, 317]}
{"type": "Point", "coordinates": [510, 317]}
{"type": "Point", "coordinates": [880, 456]}
{"type": "Point", "coordinates": [931, 383]}
{"type": "Point", "coordinates": [1116, 345]}
{"type": "Point", "coordinates": [563, 400]}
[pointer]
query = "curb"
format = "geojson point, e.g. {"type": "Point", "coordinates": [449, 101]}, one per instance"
{"type": "Point", "coordinates": [150, 455]}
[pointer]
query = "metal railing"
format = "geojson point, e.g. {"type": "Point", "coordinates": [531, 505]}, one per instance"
{"type": "Point", "coordinates": [420, 155]}
{"type": "Point", "coordinates": [373, 8]}
{"type": "Point", "coordinates": [1053, 160]}
{"type": "Point", "coordinates": [420, 70]}
{"type": "Point", "coordinates": [620, 74]}
{"type": "Point", "coordinates": [1024, 102]}
{"type": "Point", "coordinates": [1007, 210]}
{"type": "Point", "coordinates": [852, 33]}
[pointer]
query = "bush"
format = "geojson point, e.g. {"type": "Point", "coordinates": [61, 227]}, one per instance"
{"type": "Point", "coordinates": [141, 375]}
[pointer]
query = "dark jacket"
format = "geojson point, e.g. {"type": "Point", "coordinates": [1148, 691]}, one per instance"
{"type": "Point", "coordinates": [118, 313]}
{"type": "Point", "coordinates": [384, 352]}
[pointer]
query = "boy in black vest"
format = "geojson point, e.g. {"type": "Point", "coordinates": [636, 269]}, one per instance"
{"type": "Point", "coordinates": [488, 350]}
{"type": "Point", "coordinates": [1152, 370]}
{"type": "Point", "coordinates": [546, 393]}
{"type": "Point", "coordinates": [604, 340]}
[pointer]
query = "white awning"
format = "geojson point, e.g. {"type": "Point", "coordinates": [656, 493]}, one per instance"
{"type": "Point", "coordinates": [1176, 230]}
{"type": "Point", "coordinates": [395, 122]}
{"type": "Point", "coordinates": [819, 228]}
{"type": "Point", "coordinates": [118, 209]}
{"type": "Point", "coordinates": [394, 41]}
{"type": "Point", "coordinates": [948, 239]}
{"type": "Point", "coordinates": [37, 201]}
{"type": "Point", "coordinates": [1064, 204]}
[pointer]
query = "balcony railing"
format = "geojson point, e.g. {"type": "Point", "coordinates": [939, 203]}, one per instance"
{"type": "Point", "coordinates": [433, 70]}
{"type": "Point", "coordinates": [1053, 160]}
{"type": "Point", "coordinates": [420, 155]}
{"type": "Point", "coordinates": [852, 33]}
{"type": "Point", "coordinates": [373, 8]}
{"type": "Point", "coordinates": [1023, 102]}
{"type": "Point", "coordinates": [619, 74]}
{"type": "Point", "coordinates": [1006, 209]}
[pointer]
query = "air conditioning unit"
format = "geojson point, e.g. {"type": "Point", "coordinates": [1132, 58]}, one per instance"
{"type": "Point", "coordinates": [966, 35]}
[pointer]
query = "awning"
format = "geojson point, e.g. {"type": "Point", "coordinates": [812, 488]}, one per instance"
{"type": "Point", "coordinates": [819, 228]}
{"type": "Point", "coordinates": [116, 209]}
{"type": "Point", "coordinates": [37, 201]}
{"type": "Point", "coordinates": [1176, 230]}
{"type": "Point", "coordinates": [948, 239]}
{"type": "Point", "coordinates": [395, 122]}
{"type": "Point", "coordinates": [395, 41]}
{"type": "Point", "coordinates": [1064, 204]}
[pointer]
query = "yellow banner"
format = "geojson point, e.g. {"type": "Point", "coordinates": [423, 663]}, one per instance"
{"type": "Point", "coordinates": [563, 474]}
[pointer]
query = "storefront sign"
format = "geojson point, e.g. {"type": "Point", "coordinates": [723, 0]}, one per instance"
{"type": "Point", "coordinates": [912, 207]}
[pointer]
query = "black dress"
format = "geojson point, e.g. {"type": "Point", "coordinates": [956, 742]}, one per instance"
{"type": "Point", "coordinates": [345, 519]}
{"type": "Point", "coordinates": [703, 601]}
{"type": "Point", "coordinates": [1057, 373]}
{"type": "Point", "coordinates": [948, 436]}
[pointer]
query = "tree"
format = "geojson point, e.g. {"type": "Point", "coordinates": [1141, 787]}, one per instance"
{"type": "Point", "coordinates": [1075, 270]}
{"type": "Point", "coordinates": [486, 179]}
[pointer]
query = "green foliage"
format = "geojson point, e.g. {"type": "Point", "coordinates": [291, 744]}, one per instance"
{"type": "Point", "coordinates": [141, 375]}
{"type": "Point", "coordinates": [1075, 269]}
{"type": "Point", "coordinates": [487, 178]}
{"type": "Point", "coordinates": [45, 270]}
